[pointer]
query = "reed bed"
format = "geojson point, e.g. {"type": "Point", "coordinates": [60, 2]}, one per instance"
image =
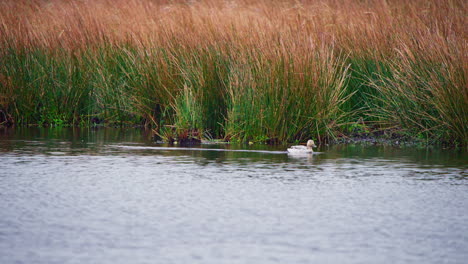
{"type": "Point", "coordinates": [247, 70]}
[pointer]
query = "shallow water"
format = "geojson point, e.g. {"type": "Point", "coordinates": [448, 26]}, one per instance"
{"type": "Point", "coordinates": [114, 196]}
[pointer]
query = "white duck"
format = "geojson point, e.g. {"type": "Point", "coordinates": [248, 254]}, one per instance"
{"type": "Point", "coordinates": [303, 149]}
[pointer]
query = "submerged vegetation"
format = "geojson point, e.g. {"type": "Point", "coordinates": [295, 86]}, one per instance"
{"type": "Point", "coordinates": [246, 70]}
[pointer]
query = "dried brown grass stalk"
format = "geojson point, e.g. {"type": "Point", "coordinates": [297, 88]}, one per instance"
{"type": "Point", "coordinates": [357, 27]}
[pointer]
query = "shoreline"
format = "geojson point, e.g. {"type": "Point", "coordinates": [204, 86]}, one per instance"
{"type": "Point", "coordinates": [389, 137]}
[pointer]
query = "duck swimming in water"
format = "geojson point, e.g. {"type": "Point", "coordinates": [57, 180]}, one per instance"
{"type": "Point", "coordinates": [303, 149]}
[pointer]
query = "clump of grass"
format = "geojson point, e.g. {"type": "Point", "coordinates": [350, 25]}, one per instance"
{"type": "Point", "coordinates": [43, 88]}
{"type": "Point", "coordinates": [200, 102]}
{"type": "Point", "coordinates": [188, 111]}
{"type": "Point", "coordinates": [287, 98]}
{"type": "Point", "coordinates": [364, 73]}
{"type": "Point", "coordinates": [426, 95]}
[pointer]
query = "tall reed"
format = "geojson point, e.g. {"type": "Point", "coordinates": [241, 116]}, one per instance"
{"type": "Point", "coordinates": [428, 96]}
{"type": "Point", "coordinates": [241, 69]}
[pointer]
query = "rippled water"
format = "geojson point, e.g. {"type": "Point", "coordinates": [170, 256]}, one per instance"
{"type": "Point", "coordinates": [113, 196]}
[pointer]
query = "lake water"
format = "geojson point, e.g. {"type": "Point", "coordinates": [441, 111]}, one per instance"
{"type": "Point", "coordinates": [114, 196]}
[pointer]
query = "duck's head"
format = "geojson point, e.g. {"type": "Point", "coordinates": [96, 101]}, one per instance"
{"type": "Point", "coordinates": [311, 144]}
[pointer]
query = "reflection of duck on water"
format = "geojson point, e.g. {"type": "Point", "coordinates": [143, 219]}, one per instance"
{"type": "Point", "coordinates": [303, 149]}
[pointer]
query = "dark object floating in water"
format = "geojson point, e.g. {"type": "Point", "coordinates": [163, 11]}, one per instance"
{"type": "Point", "coordinates": [189, 141]}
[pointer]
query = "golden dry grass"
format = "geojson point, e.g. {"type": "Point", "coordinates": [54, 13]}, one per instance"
{"type": "Point", "coordinates": [371, 27]}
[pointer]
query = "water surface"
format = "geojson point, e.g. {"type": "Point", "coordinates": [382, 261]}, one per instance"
{"type": "Point", "coordinates": [114, 196]}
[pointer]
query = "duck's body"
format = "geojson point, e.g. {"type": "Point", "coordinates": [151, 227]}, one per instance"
{"type": "Point", "coordinates": [299, 150]}
{"type": "Point", "coordinates": [303, 149]}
